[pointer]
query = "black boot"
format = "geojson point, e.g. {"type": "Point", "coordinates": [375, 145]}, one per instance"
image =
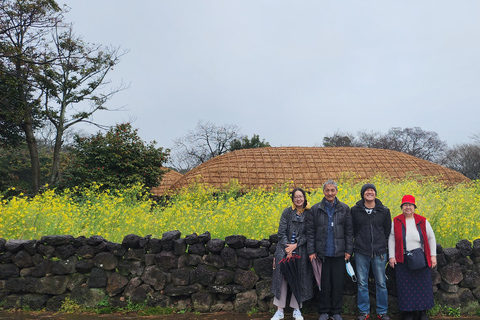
{"type": "Point", "coordinates": [423, 315]}
{"type": "Point", "coordinates": [408, 315]}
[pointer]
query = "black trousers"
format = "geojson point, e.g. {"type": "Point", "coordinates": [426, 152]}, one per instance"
{"type": "Point", "coordinates": [331, 295]}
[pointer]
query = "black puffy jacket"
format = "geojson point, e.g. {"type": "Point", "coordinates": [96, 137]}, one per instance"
{"type": "Point", "coordinates": [317, 229]}
{"type": "Point", "coordinates": [371, 231]}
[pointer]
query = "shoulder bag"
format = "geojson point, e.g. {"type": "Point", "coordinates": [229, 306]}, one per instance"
{"type": "Point", "coordinates": [415, 259]}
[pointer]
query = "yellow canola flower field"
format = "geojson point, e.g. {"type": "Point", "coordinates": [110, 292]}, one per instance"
{"type": "Point", "coordinates": [454, 212]}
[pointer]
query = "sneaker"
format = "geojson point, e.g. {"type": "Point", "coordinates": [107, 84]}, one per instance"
{"type": "Point", "coordinates": [297, 315]}
{"type": "Point", "coordinates": [323, 316]}
{"type": "Point", "coordinates": [337, 317]}
{"type": "Point", "coordinates": [278, 315]}
{"type": "Point", "coordinates": [363, 316]}
{"type": "Point", "coordinates": [383, 316]}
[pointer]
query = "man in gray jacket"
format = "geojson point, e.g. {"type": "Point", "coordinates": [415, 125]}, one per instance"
{"type": "Point", "coordinates": [330, 239]}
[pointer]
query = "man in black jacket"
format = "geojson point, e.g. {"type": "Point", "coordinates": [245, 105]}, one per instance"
{"type": "Point", "coordinates": [372, 223]}
{"type": "Point", "coordinates": [330, 239]}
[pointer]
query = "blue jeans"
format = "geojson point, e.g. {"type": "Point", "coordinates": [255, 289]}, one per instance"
{"type": "Point", "coordinates": [363, 265]}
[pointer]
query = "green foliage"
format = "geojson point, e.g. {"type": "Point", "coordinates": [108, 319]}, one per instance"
{"type": "Point", "coordinates": [443, 310]}
{"type": "Point", "coordinates": [199, 208]}
{"type": "Point", "coordinates": [155, 311]}
{"type": "Point", "coordinates": [133, 307]}
{"type": "Point", "coordinates": [183, 311]}
{"type": "Point", "coordinates": [245, 143]}
{"type": "Point", "coordinates": [453, 312]}
{"type": "Point", "coordinates": [254, 310]}
{"type": "Point", "coordinates": [10, 130]}
{"type": "Point", "coordinates": [70, 306]}
{"type": "Point", "coordinates": [104, 302]}
{"type": "Point", "coordinates": [24, 37]}
{"type": "Point", "coordinates": [436, 310]}
{"type": "Point", "coordinates": [339, 139]}
{"type": "Point", "coordinates": [15, 169]}
{"type": "Point", "coordinates": [106, 310]}
{"type": "Point", "coordinates": [116, 159]}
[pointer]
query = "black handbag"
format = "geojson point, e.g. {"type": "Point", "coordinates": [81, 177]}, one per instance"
{"type": "Point", "coordinates": [415, 259]}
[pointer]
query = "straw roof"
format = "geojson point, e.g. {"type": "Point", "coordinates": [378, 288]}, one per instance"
{"type": "Point", "coordinates": [310, 167]}
{"type": "Point", "coordinates": [168, 178]}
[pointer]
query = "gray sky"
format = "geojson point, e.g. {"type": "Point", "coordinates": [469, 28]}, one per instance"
{"type": "Point", "coordinates": [290, 71]}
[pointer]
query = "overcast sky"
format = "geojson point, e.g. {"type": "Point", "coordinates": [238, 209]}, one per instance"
{"type": "Point", "coordinates": [290, 71]}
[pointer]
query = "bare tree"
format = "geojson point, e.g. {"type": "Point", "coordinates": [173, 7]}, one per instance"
{"type": "Point", "coordinates": [464, 158]}
{"type": "Point", "coordinates": [476, 138]}
{"type": "Point", "coordinates": [413, 141]}
{"type": "Point", "coordinates": [78, 74]}
{"type": "Point", "coordinates": [416, 142]}
{"type": "Point", "coordinates": [203, 143]}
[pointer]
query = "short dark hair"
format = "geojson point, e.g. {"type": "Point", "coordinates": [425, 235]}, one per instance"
{"type": "Point", "coordinates": [304, 196]}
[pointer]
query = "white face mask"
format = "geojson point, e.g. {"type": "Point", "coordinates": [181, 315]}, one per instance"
{"type": "Point", "coordinates": [350, 271]}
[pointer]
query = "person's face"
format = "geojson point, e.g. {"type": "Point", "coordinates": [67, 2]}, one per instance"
{"type": "Point", "coordinates": [408, 209]}
{"type": "Point", "coordinates": [298, 199]}
{"type": "Point", "coordinates": [330, 192]}
{"type": "Point", "coordinates": [369, 194]}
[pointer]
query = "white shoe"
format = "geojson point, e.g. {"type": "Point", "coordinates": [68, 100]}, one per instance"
{"type": "Point", "coordinates": [297, 315]}
{"type": "Point", "coordinates": [278, 315]}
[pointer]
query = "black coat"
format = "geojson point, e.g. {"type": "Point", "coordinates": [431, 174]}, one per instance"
{"type": "Point", "coordinates": [371, 231]}
{"type": "Point", "coordinates": [288, 224]}
{"type": "Point", "coordinates": [317, 229]}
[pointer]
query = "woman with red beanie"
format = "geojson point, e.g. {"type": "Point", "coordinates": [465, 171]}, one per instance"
{"type": "Point", "coordinates": [411, 231]}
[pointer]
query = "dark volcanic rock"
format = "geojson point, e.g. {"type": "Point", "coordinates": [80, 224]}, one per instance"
{"type": "Point", "coordinates": [97, 279]}
{"type": "Point", "coordinates": [235, 241]}
{"type": "Point", "coordinates": [465, 247]}
{"type": "Point", "coordinates": [56, 240]}
{"type": "Point", "coordinates": [215, 245]}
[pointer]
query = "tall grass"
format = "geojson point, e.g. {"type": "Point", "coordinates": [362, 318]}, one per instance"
{"type": "Point", "coordinates": [454, 212]}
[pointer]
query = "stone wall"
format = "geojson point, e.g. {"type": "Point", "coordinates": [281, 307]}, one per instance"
{"type": "Point", "coordinates": [194, 272]}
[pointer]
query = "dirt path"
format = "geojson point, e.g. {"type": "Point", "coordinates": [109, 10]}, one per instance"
{"type": "Point", "coordinates": [23, 315]}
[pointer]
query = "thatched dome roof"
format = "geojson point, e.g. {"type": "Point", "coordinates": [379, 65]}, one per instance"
{"type": "Point", "coordinates": [310, 167]}
{"type": "Point", "coordinates": [168, 178]}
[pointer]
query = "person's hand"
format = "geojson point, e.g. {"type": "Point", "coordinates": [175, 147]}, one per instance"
{"type": "Point", "coordinates": [312, 256]}
{"type": "Point", "coordinates": [347, 256]}
{"type": "Point", "coordinates": [290, 248]}
{"type": "Point", "coordinates": [434, 261]}
{"type": "Point", "coordinates": [392, 262]}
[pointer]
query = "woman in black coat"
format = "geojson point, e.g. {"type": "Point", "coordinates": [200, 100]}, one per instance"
{"type": "Point", "coordinates": [292, 240]}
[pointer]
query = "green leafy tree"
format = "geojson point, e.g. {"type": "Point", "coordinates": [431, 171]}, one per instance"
{"type": "Point", "coordinates": [245, 143]}
{"type": "Point", "coordinates": [47, 75]}
{"type": "Point", "coordinates": [339, 139]}
{"type": "Point", "coordinates": [10, 132]}
{"type": "Point", "coordinates": [24, 28]}
{"type": "Point", "coordinates": [115, 159]}
{"type": "Point", "coordinates": [15, 167]}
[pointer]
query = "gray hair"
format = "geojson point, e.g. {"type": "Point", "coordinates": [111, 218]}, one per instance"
{"type": "Point", "coordinates": [330, 182]}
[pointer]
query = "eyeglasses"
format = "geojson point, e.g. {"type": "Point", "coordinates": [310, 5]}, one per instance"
{"type": "Point", "coordinates": [298, 197]}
